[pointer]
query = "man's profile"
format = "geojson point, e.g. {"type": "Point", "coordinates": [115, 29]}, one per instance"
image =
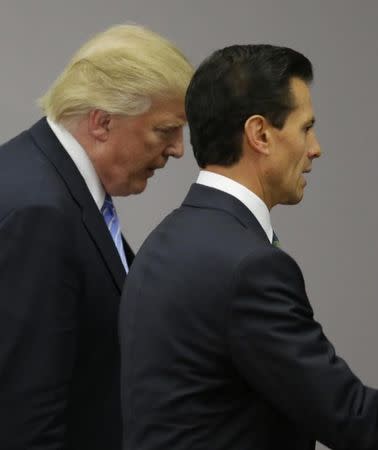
{"type": "Point", "coordinates": [113, 116]}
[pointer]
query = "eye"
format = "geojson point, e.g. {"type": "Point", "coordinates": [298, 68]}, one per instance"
{"type": "Point", "coordinates": [166, 131]}
{"type": "Point", "coordinates": [308, 127]}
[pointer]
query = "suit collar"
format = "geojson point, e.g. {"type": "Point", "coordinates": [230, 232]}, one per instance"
{"type": "Point", "coordinates": [201, 196]}
{"type": "Point", "coordinates": [253, 202]}
{"type": "Point", "coordinates": [91, 216]}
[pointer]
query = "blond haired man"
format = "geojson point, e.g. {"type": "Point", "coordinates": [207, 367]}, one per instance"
{"type": "Point", "coordinates": [113, 117]}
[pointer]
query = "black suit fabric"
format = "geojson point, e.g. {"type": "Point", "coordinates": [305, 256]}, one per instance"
{"type": "Point", "coordinates": [60, 285]}
{"type": "Point", "coordinates": [219, 346]}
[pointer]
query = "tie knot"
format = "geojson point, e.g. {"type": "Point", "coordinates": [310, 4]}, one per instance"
{"type": "Point", "coordinates": [108, 209]}
{"type": "Point", "coordinates": [110, 215]}
{"type": "Point", "coordinates": [108, 203]}
{"type": "Point", "coordinates": [275, 240]}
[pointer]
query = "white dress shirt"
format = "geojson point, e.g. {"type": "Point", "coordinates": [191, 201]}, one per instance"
{"type": "Point", "coordinates": [254, 203]}
{"type": "Point", "coordinates": [84, 164]}
{"type": "Point", "coordinates": [81, 160]}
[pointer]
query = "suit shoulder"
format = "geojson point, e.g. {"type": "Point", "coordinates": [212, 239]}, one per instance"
{"type": "Point", "coordinates": [270, 259]}
{"type": "Point", "coordinates": [27, 178]}
{"type": "Point", "coordinates": [269, 270]}
{"type": "Point", "coordinates": [207, 240]}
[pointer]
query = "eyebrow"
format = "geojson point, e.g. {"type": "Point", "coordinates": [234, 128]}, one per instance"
{"type": "Point", "coordinates": [172, 124]}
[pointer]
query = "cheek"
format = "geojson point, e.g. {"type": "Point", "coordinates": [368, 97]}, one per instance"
{"type": "Point", "coordinates": [150, 144]}
{"type": "Point", "coordinates": [298, 155]}
{"type": "Point", "coordinates": [276, 175]}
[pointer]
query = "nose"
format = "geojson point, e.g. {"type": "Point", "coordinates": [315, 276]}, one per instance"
{"type": "Point", "coordinates": [175, 148]}
{"type": "Point", "coordinates": [315, 150]}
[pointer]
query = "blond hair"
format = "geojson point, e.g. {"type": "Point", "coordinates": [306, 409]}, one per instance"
{"type": "Point", "coordinates": [121, 71]}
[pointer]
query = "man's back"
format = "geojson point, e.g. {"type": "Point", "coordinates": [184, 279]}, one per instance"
{"type": "Point", "coordinates": [219, 346]}
{"type": "Point", "coordinates": [182, 387]}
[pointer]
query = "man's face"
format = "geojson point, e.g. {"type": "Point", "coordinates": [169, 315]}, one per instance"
{"type": "Point", "coordinates": [294, 147]}
{"type": "Point", "coordinates": [138, 145]}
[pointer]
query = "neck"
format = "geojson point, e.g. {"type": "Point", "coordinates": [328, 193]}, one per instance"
{"type": "Point", "coordinates": [244, 176]}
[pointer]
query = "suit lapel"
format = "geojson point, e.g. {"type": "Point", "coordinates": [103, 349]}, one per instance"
{"type": "Point", "coordinates": [96, 227]}
{"type": "Point", "coordinates": [128, 251]}
{"type": "Point", "coordinates": [91, 216]}
{"type": "Point", "coordinates": [200, 196]}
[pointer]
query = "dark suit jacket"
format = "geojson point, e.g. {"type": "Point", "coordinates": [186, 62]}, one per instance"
{"type": "Point", "coordinates": [219, 347]}
{"type": "Point", "coordinates": [60, 284]}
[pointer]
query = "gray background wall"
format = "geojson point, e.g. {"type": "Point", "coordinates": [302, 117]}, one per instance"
{"type": "Point", "coordinates": [333, 233]}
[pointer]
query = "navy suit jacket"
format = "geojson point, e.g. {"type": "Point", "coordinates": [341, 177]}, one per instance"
{"type": "Point", "coordinates": [60, 285]}
{"type": "Point", "coordinates": [219, 346]}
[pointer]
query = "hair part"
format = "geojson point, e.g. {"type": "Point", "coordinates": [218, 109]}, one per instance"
{"type": "Point", "coordinates": [121, 71]}
{"type": "Point", "coordinates": [233, 84]}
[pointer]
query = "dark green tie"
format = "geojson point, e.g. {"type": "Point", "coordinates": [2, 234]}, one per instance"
{"type": "Point", "coordinates": [275, 241]}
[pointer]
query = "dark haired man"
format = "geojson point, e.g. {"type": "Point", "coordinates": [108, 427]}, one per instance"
{"type": "Point", "coordinates": [219, 345]}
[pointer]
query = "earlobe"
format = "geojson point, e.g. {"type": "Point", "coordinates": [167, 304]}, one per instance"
{"type": "Point", "coordinates": [256, 134]}
{"type": "Point", "coordinates": [98, 124]}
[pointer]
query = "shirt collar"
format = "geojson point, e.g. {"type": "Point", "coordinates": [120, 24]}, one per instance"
{"type": "Point", "coordinates": [81, 160]}
{"type": "Point", "coordinates": [254, 203]}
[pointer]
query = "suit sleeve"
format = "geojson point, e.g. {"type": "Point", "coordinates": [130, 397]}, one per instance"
{"type": "Point", "coordinates": [282, 352]}
{"type": "Point", "coordinates": [38, 293]}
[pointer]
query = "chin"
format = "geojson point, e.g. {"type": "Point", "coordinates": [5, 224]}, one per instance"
{"type": "Point", "coordinates": [294, 199]}
{"type": "Point", "coordinates": [130, 189]}
{"type": "Point", "coordinates": [138, 188]}
{"type": "Point", "coordinates": [298, 199]}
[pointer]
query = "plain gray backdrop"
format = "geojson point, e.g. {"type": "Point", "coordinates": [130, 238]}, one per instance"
{"type": "Point", "coordinates": [333, 232]}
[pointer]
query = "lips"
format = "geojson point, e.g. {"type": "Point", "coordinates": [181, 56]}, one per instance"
{"type": "Point", "coordinates": [151, 170]}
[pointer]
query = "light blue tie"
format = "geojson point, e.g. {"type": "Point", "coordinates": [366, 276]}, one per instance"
{"type": "Point", "coordinates": [112, 222]}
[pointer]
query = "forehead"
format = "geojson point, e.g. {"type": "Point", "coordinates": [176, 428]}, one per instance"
{"type": "Point", "coordinates": [160, 114]}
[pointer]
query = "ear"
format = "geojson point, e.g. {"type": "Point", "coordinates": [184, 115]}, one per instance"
{"type": "Point", "coordinates": [98, 124]}
{"type": "Point", "coordinates": [256, 131]}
